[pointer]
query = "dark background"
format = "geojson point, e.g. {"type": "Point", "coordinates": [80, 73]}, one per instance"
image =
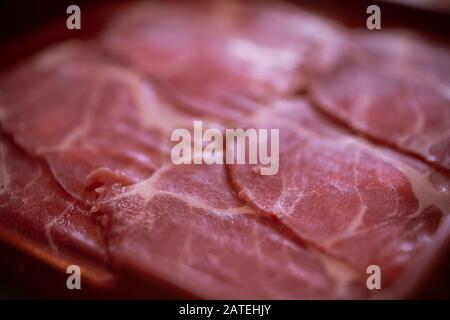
{"type": "Point", "coordinates": [19, 17]}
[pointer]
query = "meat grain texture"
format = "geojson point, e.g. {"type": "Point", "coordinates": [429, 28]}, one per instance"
{"type": "Point", "coordinates": [85, 166]}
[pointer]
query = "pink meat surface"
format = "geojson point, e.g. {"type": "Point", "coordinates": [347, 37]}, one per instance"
{"type": "Point", "coordinates": [395, 89]}
{"type": "Point", "coordinates": [35, 206]}
{"type": "Point", "coordinates": [85, 160]}
{"type": "Point", "coordinates": [242, 56]}
{"type": "Point", "coordinates": [93, 122]}
{"type": "Point", "coordinates": [182, 225]}
{"type": "Point", "coordinates": [353, 200]}
{"type": "Point", "coordinates": [185, 224]}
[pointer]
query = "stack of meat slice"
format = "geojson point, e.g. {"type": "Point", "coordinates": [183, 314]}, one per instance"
{"type": "Point", "coordinates": [86, 172]}
{"type": "Point", "coordinates": [394, 88]}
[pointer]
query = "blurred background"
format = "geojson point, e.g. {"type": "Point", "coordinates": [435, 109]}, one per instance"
{"type": "Point", "coordinates": [19, 18]}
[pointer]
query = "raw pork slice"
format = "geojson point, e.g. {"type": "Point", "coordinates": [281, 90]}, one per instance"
{"type": "Point", "coordinates": [354, 201]}
{"type": "Point", "coordinates": [221, 55]}
{"type": "Point", "coordinates": [394, 89]}
{"type": "Point", "coordinates": [185, 225]}
{"type": "Point", "coordinates": [94, 122]}
{"type": "Point", "coordinates": [89, 140]}
{"type": "Point", "coordinates": [34, 206]}
{"type": "Point", "coordinates": [104, 132]}
{"type": "Point", "coordinates": [408, 52]}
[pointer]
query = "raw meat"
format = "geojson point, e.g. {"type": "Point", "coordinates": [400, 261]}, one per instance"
{"type": "Point", "coordinates": [184, 224]}
{"type": "Point", "coordinates": [66, 118]}
{"type": "Point", "coordinates": [408, 52]}
{"type": "Point", "coordinates": [223, 54]}
{"type": "Point", "coordinates": [35, 206]}
{"type": "Point", "coordinates": [86, 169]}
{"type": "Point", "coordinates": [187, 217]}
{"type": "Point", "coordinates": [354, 201]}
{"type": "Point", "coordinates": [393, 89]}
